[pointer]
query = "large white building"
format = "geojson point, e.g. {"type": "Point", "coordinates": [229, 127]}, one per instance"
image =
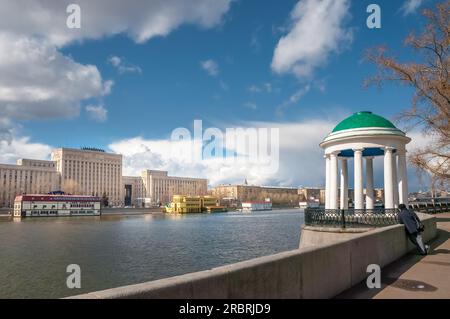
{"type": "Point", "coordinates": [90, 172]}
{"type": "Point", "coordinates": [28, 176]}
{"type": "Point", "coordinates": [159, 187]}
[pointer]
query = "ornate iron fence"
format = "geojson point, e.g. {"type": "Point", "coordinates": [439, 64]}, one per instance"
{"type": "Point", "coordinates": [430, 208]}
{"type": "Point", "coordinates": [378, 217]}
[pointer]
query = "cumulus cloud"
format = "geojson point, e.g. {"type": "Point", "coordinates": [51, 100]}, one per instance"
{"type": "Point", "coordinates": [411, 6]}
{"type": "Point", "coordinates": [210, 66]}
{"type": "Point", "coordinates": [37, 81]}
{"type": "Point", "coordinates": [317, 30]}
{"type": "Point", "coordinates": [140, 20]}
{"type": "Point", "coordinates": [97, 112]}
{"type": "Point", "coordinates": [124, 66]}
{"type": "Point", "coordinates": [22, 147]}
{"type": "Point", "coordinates": [299, 155]}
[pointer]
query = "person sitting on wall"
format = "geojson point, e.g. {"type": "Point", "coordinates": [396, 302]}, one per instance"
{"type": "Point", "coordinates": [413, 227]}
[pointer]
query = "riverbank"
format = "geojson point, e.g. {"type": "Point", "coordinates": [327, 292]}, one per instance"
{"type": "Point", "coordinates": [131, 211]}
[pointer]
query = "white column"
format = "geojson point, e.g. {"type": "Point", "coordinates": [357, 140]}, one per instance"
{"type": "Point", "coordinates": [369, 183]}
{"type": "Point", "coordinates": [402, 178]}
{"type": "Point", "coordinates": [358, 183]}
{"type": "Point", "coordinates": [388, 180]}
{"type": "Point", "coordinates": [394, 178]}
{"type": "Point", "coordinates": [327, 181]}
{"type": "Point", "coordinates": [344, 184]}
{"type": "Point", "coordinates": [333, 181]}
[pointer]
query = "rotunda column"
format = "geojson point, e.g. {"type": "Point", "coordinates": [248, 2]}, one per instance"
{"type": "Point", "coordinates": [388, 179]}
{"type": "Point", "coordinates": [333, 180]}
{"type": "Point", "coordinates": [395, 179]}
{"type": "Point", "coordinates": [370, 200]}
{"type": "Point", "coordinates": [344, 184]}
{"type": "Point", "coordinates": [402, 177]}
{"type": "Point", "coordinates": [358, 179]}
{"type": "Point", "coordinates": [327, 181]}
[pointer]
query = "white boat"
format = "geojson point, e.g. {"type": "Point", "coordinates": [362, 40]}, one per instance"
{"type": "Point", "coordinates": [256, 206]}
{"type": "Point", "coordinates": [310, 204]}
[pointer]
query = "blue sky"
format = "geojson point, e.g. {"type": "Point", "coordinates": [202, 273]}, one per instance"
{"type": "Point", "coordinates": [162, 84]}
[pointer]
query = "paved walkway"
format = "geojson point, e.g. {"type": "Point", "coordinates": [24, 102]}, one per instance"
{"type": "Point", "coordinates": [415, 276]}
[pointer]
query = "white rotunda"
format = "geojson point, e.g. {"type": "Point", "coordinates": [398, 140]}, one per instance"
{"type": "Point", "coordinates": [365, 135]}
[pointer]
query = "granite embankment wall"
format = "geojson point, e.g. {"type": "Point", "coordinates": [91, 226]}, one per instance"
{"type": "Point", "coordinates": [321, 271]}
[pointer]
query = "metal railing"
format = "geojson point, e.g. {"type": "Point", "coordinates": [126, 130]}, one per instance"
{"type": "Point", "coordinates": [378, 217]}
{"type": "Point", "coordinates": [430, 208]}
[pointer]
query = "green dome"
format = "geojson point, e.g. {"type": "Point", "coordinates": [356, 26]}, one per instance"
{"type": "Point", "coordinates": [363, 119]}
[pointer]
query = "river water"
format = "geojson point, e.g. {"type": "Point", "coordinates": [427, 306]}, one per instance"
{"type": "Point", "coordinates": [120, 250]}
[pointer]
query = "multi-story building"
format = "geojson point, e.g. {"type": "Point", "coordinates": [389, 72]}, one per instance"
{"type": "Point", "coordinates": [240, 193]}
{"type": "Point", "coordinates": [158, 187]}
{"type": "Point", "coordinates": [93, 172]}
{"type": "Point", "coordinates": [312, 194]}
{"type": "Point", "coordinates": [134, 191]}
{"type": "Point", "coordinates": [27, 177]}
{"type": "Point", "coordinates": [90, 172]}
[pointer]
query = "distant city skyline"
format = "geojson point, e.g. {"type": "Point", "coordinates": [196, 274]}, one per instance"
{"type": "Point", "coordinates": [227, 63]}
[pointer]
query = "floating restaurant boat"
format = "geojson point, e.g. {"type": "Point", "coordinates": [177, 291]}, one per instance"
{"type": "Point", "coordinates": [256, 206]}
{"type": "Point", "coordinates": [309, 204]}
{"type": "Point", "coordinates": [182, 204]}
{"type": "Point", "coordinates": [56, 205]}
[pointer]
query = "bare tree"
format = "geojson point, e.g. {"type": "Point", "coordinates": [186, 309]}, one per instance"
{"type": "Point", "coordinates": [429, 78]}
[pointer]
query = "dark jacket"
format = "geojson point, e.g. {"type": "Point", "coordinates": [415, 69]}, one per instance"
{"type": "Point", "coordinates": [410, 220]}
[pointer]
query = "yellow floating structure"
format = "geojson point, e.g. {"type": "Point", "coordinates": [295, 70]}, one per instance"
{"type": "Point", "coordinates": [182, 204]}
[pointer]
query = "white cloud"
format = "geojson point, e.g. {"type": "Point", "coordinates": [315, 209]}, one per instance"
{"type": "Point", "coordinates": [37, 81]}
{"type": "Point", "coordinates": [317, 30]}
{"type": "Point", "coordinates": [301, 160]}
{"type": "Point", "coordinates": [97, 112]}
{"type": "Point", "coordinates": [140, 20]}
{"type": "Point", "coordinates": [124, 66]}
{"type": "Point", "coordinates": [115, 60]}
{"type": "Point", "coordinates": [21, 147]}
{"type": "Point", "coordinates": [293, 99]}
{"type": "Point", "coordinates": [210, 66]}
{"type": "Point", "coordinates": [411, 6]}
{"type": "Point", "coordinates": [265, 87]}
{"type": "Point", "coordinates": [254, 88]}
{"type": "Point", "coordinates": [299, 157]}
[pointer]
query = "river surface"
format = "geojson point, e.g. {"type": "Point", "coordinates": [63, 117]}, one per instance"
{"type": "Point", "coordinates": [114, 251]}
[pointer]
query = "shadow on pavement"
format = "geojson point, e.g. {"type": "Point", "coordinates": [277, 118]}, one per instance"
{"type": "Point", "coordinates": [392, 272]}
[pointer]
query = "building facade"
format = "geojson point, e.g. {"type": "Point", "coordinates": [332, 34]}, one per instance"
{"type": "Point", "coordinates": [93, 172]}
{"type": "Point", "coordinates": [90, 172]}
{"type": "Point", "coordinates": [27, 177]}
{"type": "Point", "coordinates": [240, 193]}
{"type": "Point", "coordinates": [134, 192]}
{"type": "Point", "coordinates": [312, 194]}
{"type": "Point", "coordinates": [158, 187]}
